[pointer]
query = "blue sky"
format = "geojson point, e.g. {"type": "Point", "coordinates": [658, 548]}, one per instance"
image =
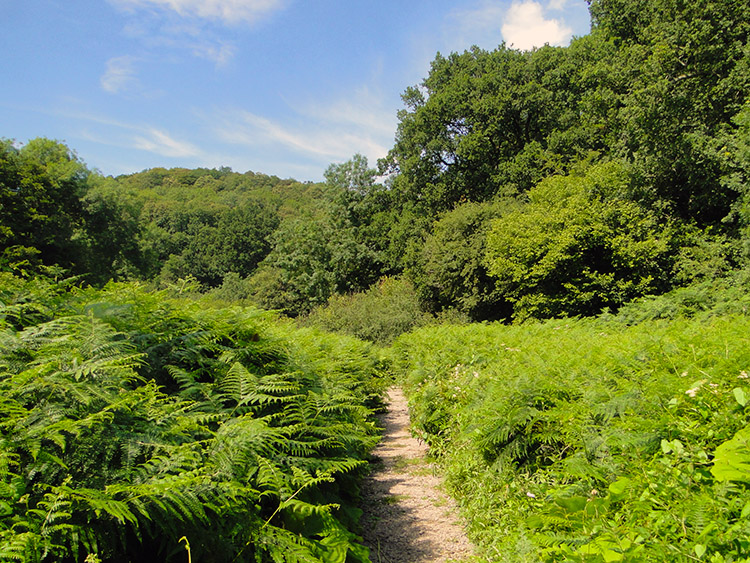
{"type": "Point", "coordinates": [283, 87]}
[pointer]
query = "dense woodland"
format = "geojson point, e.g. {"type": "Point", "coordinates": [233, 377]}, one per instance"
{"type": "Point", "coordinates": [589, 205]}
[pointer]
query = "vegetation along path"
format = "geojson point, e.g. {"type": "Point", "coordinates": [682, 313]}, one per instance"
{"type": "Point", "coordinates": [407, 518]}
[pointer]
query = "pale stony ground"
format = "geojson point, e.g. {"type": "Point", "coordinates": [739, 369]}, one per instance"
{"type": "Point", "coordinates": [407, 517]}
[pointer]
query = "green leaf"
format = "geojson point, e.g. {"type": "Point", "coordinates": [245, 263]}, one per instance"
{"type": "Point", "coordinates": [618, 488]}
{"type": "Point", "coordinates": [700, 550]}
{"type": "Point", "coordinates": [739, 394]}
{"type": "Point", "coordinates": [572, 504]}
{"type": "Point", "coordinates": [732, 458]}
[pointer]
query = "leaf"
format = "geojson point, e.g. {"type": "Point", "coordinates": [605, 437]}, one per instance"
{"type": "Point", "coordinates": [618, 488]}
{"type": "Point", "coordinates": [739, 394]}
{"type": "Point", "coordinates": [572, 504]}
{"type": "Point", "coordinates": [699, 549]}
{"type": "Point", "coordinates": [732, 458]}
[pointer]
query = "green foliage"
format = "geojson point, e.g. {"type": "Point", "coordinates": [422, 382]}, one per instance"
{"type": "Point", "coordinates": [380, 314]}
{"type": "Point", "coordinates": [713, 297]}
{"type": "Point", "coordinates": [41, 186]}
{"type": "Point", "coordinates": [131, 420]}
{"type": "Point", "coordinates": [478, 126]}
{"type": "Point", "coordinates": [221, 241]}
{"type": "Point", "coordinates": [590, 440]}
{"type": "Point", "coordinates": [578, 247]}
{"type": "Point", "coordinates": [337, 251]}
{"type": "Point", "coordinates": [449, 270]}
{"type": "Point", "coordinates": [693, 77]}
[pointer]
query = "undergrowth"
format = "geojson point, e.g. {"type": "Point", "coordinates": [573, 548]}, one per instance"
{"type": "Point", "coordinates": [591, 440]}
{"type": "Point", "coordinates": [130, 420]}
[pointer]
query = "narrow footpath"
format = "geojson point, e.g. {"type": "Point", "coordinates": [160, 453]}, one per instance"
{"type": "Point", "coordinates": [407, 517]}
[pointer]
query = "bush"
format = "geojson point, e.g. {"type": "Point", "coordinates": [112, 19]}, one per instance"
{"type": "Point", "coordinates": [380, 314]}
{"type": "Point", "coordinates": [577, 247]}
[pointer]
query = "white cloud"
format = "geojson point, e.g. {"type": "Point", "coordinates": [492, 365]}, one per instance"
{"type": "Point", "coordinates": [120, 74]}
{"type": "Point", "coordinates": [134, 136]}
{"type": "Point", "coordinates": [479, 26]}
{"type": "Point", "coordinates": [362, 111]}
{"type": "Point", "coordinates": [246, 128]}
{"type": "Point", "coordinates": [218, 53]}
{"type": "Point", "coordinates": [188, 25]}
{"type": "Point", "coordinates": [163, 144]}
{"type": "Point", "coordinates": [228, 11]}
{"type": "Point", "coordinates": [525, 27]}
{"type": "Point", "coordinates": [523, 24]}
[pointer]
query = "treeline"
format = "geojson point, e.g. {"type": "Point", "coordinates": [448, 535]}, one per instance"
{"type": "Point", "coordinates": [555, 182]}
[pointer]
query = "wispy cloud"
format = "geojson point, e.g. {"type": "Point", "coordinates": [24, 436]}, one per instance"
{"type": "Point", "coordinates": [120, 74]}
{"type": "Point", "coordinates": [193, 26]}
{"type": "Point", "coordinates": [219, 53]}
{"type": "Point", "coordinates": [325, 132]}
{"type": "Point", "coordinates": [557, 5]}
{"type": "Point", "coordinates": [226, 11]}
{"type": "Point", "coordinates": [526, 26]}
{"type": "Point", "coordinates": [161, 143]}
{"type": "Point", "coordinates": [117, 133]}
{"type": "Point", "coordinates": [246, 128]}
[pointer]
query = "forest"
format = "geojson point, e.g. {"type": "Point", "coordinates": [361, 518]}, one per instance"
{"type": "Point", "coordinates": [552, 261]}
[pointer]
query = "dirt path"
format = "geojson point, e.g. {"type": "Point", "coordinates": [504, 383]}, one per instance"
{"type": "Point", "coordinates": [407, 518]}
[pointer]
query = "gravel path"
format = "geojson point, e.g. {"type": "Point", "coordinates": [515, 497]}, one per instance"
{"type": "Point", "coordinates": [407, 518]}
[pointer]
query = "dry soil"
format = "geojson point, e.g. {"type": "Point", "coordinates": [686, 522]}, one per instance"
{"type": "Point", "coordinates": [407, 517]}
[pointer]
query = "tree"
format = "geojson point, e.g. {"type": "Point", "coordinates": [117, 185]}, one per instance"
{"type": "Point", "coordinates": [222, 241]}
{"type": "Point", "coordinates": [693, 74]}
{"type": "Point", "coordinates": [578, 247]}
{"type": "Point", "coordinates": [296, 275]}
{"type": "Point", "coordinates": [480, 126]}
{"type": "Point", "coordinates": [41, 186]}
{"type": "Point", "coordinates": [449, 271]}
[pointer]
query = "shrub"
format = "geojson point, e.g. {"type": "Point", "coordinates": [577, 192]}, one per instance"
{"type": "Point", "coordinates": [380, 314]}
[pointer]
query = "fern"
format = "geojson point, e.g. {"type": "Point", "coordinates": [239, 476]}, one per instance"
{"type": "Point", "coordinates": [130, 420]}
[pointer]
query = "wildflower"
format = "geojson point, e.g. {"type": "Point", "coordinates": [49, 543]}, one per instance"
{"type": "Point", "coordinates": [743, 375]}
{"type": "Point", "coordinates": [531, 495]}
{"type": "Point", "coordinates": [692, 392]}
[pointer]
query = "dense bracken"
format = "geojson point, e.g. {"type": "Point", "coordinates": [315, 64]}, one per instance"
{"type": "Point", "coordinates": [132, 419]}
{"type": "Point", "coordinates": [594, 439]}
